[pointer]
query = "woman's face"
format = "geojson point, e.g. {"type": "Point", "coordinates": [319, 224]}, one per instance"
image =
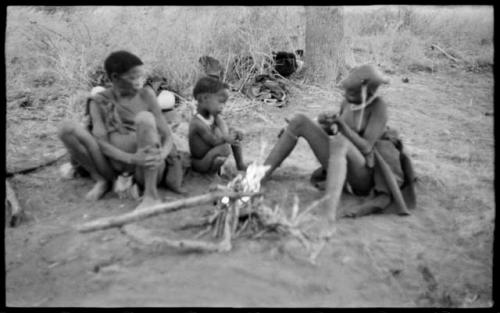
{"type": "Point", "coordinates": [353, 95]}
{"type": "Point", "coordinates": [132, 80]}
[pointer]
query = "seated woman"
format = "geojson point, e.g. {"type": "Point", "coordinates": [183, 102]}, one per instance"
{"type": "Point", "coordinates": [354, 147]}
{"type": "Point", "coordinates": [128, 133]}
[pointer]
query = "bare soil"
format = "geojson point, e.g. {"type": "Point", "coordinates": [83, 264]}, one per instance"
{"type": "Point", "coordinates": [441, 255]}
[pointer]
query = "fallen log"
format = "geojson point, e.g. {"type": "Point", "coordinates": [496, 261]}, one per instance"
{"type": "Point", "coordinates": [14, 210]}
{"type": "Point", "coordinates": [137, 215]}
{"type": "Point", "coordinates": [32, 165]}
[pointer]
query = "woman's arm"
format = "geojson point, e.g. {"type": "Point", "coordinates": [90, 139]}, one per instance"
{"type": "Point", "coordinates": [377, 122]}
{"type": "Point", "coordinates": [101, 134]}
{"type": "Point", "coordinates": [167, 140]}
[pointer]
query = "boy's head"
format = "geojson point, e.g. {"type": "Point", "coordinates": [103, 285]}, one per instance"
{"type": "Point", "coordinates": [363, 75]}
{"type": "Point", "coordinates": [124, 69]}
{"type": "Point", "coordinates": [211, 94]}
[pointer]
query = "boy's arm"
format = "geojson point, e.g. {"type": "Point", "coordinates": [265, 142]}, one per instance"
{"type": "Point", "coordinates": [100, 133]}
{"type": "Point", "coordinates": [167, 141]}
{"type": "Point", "coordinates": [219, 121]}
{"type": "Point", "coordinates": [205, 134]}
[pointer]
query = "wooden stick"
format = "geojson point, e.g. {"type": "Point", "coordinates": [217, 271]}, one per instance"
{"type": "Point", "coordinates": [15, 213]}
{"type": "Point", "coordinates": [143, 236]}
{"type": "Point", "coordinates": [210, 220]}
{"type": "Point", "coordinates": [24, 169]}
{"type": "Point", "coordinates": [449, 56]}
{"type": "Point", "coordinates": [137, 215]}
{"type": "Point", "coordinates": [390, 180]}
{"type": "Point", "coordinates": [363, 104]}
{"type": "Point", "coordinates": [309, 208]}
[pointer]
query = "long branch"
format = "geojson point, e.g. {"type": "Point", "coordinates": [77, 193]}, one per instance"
{"type": "Point", "coordinates": [134, 216]}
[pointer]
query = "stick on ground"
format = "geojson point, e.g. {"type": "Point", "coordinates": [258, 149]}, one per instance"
{"type": "Point", "coordinates": [143, 236]}
{"type": "Point", "coordinates": [449, 56]}
{"type": "Point", "coordinates": [134, 216]}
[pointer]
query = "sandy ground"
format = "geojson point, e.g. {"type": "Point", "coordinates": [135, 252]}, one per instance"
{"type": "Point", "coordinates": [439, 256]}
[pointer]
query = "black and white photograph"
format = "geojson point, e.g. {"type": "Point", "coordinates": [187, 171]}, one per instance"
{"type": "Point", "coordinates": [232, 156]}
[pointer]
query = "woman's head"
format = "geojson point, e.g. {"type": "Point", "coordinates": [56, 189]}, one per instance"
{"type": "Point", "coordinates": [363, 75]}
{"type": "Point", "coordinates": [125, 70]}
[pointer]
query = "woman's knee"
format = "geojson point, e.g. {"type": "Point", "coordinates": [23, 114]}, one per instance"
{"type": "Point", "coordinates": [145, 118]}
{"type": "Point", "coordinates": [298, 122]}
{"type": "Point", "coordinates": [338, 144]}
{"type": "Point", "coordinates": [70, 129]}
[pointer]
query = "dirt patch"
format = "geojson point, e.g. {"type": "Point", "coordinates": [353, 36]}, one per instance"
{"type": "Point", "coordinates": [439, 256]}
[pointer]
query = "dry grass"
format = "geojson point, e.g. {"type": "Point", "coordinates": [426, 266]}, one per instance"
{"type": "Point", "coordinates": [61, 47]}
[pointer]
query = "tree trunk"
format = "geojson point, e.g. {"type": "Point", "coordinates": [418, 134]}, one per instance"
{"type": "Point", "coordinates": [325, 51]}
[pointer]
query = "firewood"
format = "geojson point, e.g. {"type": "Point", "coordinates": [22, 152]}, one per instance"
{"type": "Point", "coordinates": [137, 215]}
{"type": "Point", "coordinates": [143, 236]}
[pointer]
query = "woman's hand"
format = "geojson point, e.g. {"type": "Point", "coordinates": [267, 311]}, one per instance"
{"type": "Point", "coordinates": [327, 118]}
{"type": "Point", "coordinates": [148, 156]}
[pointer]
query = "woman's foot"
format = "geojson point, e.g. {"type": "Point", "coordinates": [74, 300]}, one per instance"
{"type": "Point", "coordinates": [148, 202]}
{"type": "Point", "coordinates": [99, 189]}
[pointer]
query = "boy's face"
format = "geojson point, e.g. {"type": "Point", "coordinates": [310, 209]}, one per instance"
{"type": "Point", "coordinates": [133, 79]}
{"type": "Point", "coordinates": [214, 102]}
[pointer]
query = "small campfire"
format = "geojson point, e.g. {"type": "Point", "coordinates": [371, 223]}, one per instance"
{"type": "Point", "coordinates": [239, 211]}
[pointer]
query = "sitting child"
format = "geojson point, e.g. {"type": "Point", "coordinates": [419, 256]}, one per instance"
{"type": "Point", "coordinates": [210, 140]}
{"type": "Point", "coordinates": [355, 147]}
{"type": "Point", "coordinates": [128, 134]}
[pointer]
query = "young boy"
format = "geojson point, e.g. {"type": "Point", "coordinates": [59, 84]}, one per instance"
{"type": "Point", "coordinates": [128, 133]}
{"type": "Point", "coordinates": [210, 140]}
{"type": "Point", "coordinates": [354, 147]}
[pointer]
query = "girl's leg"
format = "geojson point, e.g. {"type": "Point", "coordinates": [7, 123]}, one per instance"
{"type": "Point", "coordinates": [83, 148]}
